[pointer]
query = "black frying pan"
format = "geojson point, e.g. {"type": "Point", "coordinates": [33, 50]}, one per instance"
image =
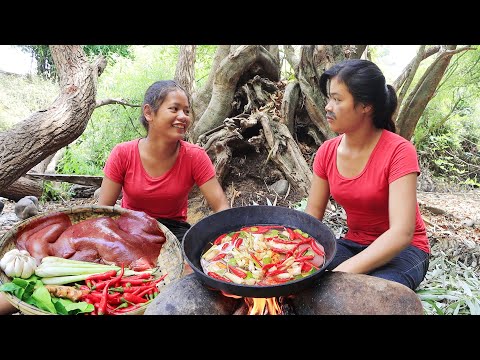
{"type": "Point", "coordinates": [208, 229]}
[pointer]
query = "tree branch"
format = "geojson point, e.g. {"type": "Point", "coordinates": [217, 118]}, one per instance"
{"type": "Point", "coordinates": [114, 101]}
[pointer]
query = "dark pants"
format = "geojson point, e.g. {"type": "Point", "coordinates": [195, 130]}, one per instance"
{"type": "Point", "coordinates": [408, 267]}
{"type": "Point", "coordinates": [178, 228]}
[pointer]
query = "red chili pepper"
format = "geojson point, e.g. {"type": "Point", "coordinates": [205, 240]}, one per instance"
{"type": "Point", "coordinates": [264, 229]}
{"type": "Point", "coordinates": [219, 256]}
{"type": "Point", "coordinates": [238, 243]}
{"type": "Point", "coordinates": [102, 307]}
{"type": "Point", "coordinates": [104, 276]}
{"type": "Point", "coordinates": [306, 267]}
{"type": "Point", "coordinates": [159, 279]}
{"type": "Point", "coordinates": [303, 258]}
{"type": "Point", "coordinates": [134, 281]}
{"type": "Point", "coordinates": [146, 291]}
{"type": "Point", "coordinates": [218, 277]}
{"type": "Point", "coordinates": [234, 237]}
{"type": "Point", "coordinates": [291, 233]}
{"type": "Point", "coordinates": [282, 251]}
{"type": "Point", "coordinates": [127, 309]}
{"type": "Point", "coordinates": [315, 248]}
{"type": "Point", "coordinates": [276, 272]}
{"type": "Point", "coordinates": [135, 299]}
{"type": "Point", "coordinates": [225, 246]}
{"type": "Point", "coordinates": [237, 271]}
{"type": "Point", "coordinates": [219, 239]}
{"type": "Point", "coordinates": [255, 259]}
{"type": "Point", "coordinates": [281, 241]}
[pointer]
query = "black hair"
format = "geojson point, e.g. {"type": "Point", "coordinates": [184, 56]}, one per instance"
{"type": "Point", "coordinates": [366, 83]}
{"type": "Point", "coordinates": [156, 94]}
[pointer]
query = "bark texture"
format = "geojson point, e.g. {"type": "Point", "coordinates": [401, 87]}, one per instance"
{"type": "Point", "coordinates": [46, 131]}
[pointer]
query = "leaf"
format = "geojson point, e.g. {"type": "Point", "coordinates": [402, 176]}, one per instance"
{"type": "Point", "coordinates": [43, 300]}
{"type": "Point", "coordinates": [269, 203]}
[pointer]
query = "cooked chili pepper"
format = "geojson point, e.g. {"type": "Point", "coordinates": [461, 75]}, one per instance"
{"type": "Point", "coordinates": [276, 272]}
{"type": "Point", "coordinates": [238, 243]}
{"type": "Point", "coordinates": [237, 271]}
{"type": "Point", "coordinates": [255, 259]}
{"type": "Point", "coordinates": [219, 239]}
{"type": "Point", "coordinates": [315, 247]}
{"type": "Point", "coordinates": [218, 277]}
{"type": "Point", "coordinates": [303, 258]}
{"type": "Point", "coordinates": [234, 237]}
{"type": "Point", "coordinates": [219, 256]}
{"type": "Point", "coordinates": [282, 251]}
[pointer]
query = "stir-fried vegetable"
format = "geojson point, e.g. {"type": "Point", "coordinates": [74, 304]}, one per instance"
{"type": "Point", "coordinates": [263, 255]}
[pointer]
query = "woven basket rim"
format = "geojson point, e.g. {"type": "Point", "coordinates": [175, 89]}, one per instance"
{"type": "Point", "coordinates": [28, 309]}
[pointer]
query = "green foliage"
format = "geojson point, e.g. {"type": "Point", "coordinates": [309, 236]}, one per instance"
{"type": "Point", "coordinates": [203, 63]}
{"type": "Point", "coordinates": [448, 133]}
{"type": "Point", "coordinates": [112, 124]}
{"type": "Point", "coordinates": [15, 105]}
{"type": "Point", "coordinates": [46, 66]}
{"type": "Point", "coordinates": [54, 191]}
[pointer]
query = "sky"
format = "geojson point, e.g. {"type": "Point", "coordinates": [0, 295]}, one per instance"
{"type": "Point", "coordinates": [14, 60]}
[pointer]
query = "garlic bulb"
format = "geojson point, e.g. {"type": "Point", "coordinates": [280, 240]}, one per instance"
{"type": "Point", "coordinates": [18, 263]}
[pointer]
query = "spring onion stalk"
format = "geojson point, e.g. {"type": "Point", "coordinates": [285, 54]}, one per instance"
{"type": "Point", "coordinates": [59, 271]}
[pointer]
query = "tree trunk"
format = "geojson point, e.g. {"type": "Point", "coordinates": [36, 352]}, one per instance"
{"type": "Point", "coordinates": [201, 98]}
{"type": "Point", "coordinates": [314, 60]}
{"type": "Point", "coordinates": [21, 188]}
{"type": "Point", "coordinates": [423, 92]}
{"type": "Point", "coordinates": [245, 61]}
{"type": "Point", "coordinates": [185, 69]}
{"type": "Point", "coordinates": [46, 131]}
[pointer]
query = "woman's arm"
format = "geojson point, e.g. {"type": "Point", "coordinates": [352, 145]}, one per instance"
{"type": "Point", "coordinates": [109, 192]}
{"type": "Point", "coordinates": [214, 195]}
{"type": "Point", "coordinates": [5, 307]}
{"type": "Point", "coordinates": [402, 207]}
{"type": "Point", "coordinates": [318, 197]}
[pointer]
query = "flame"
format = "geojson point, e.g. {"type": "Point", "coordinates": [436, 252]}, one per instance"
{"type": "Point", "coordinates": [259, 306]}
{"type": "Point", "coordinates": [263, 306]}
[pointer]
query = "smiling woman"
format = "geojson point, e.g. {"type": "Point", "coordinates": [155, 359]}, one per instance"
{"type": "Point", "coordinates": [13, 60]}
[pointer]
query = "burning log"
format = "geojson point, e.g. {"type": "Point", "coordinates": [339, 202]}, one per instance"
{"type": "Point", "coordinates": [188, 296]}
{"type": "Point", "coordinates": [339, 293]}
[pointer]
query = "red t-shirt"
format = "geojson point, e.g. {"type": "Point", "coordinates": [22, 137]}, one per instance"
{"type": "Point", "coordinates": [165, 196]}
{"type": "Point", "coordinates": [365, 197]}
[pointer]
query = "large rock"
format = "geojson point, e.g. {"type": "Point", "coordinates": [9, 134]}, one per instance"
{"type": "Point", "coordinates": [188, 296]}
{"type": "Point", "coordinates": [26, 207]}
{"type": "Point", "coordinates": [339, 293]}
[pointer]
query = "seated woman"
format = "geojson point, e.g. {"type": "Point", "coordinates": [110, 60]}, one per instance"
{"type": "Point", "coordinates": [372, 173]}
{"type": "Point", "coordinates": [157, 173]}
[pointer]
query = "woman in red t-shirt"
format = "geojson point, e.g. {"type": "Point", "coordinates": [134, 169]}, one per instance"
{"type": "Point", "coordinates": [156, 173]}
{"type": "Point", "coordinates": [372, 173]}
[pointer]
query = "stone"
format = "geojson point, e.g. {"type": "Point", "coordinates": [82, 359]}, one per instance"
{"type": "Point", "coordinates": [26, 207]}
{"type": "Point", "coordinates": [188, 296]}
{"type": "Point", "coordinates": [280, 187]}
{"type": "Point", "coordinates": [339, 293]}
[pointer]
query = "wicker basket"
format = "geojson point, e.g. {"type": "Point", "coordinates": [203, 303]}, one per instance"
{"type": "Point", "coordinates": [169, 261]}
